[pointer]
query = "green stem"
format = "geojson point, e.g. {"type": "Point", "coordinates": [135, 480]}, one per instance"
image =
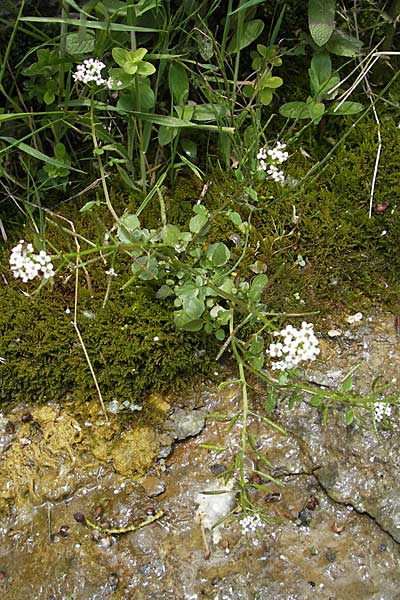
{"type": "Point", "coordinates": [99, 162]}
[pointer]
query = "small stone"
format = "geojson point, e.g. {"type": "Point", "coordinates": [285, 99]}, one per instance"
{"type": "Point", "coordinates": [188, 423]}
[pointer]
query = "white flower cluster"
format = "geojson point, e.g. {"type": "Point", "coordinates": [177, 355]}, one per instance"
{"type": "Point", "coordinates": [381, 409]}
{"type": "Point", "coordinates": [275, 156]}
{"type": "Point", "coordinates": [27, 265]}
{"type": "Point", "coordinates": [250, 524]}
{"type": "Point", "coordinates": [297, 345]}
{"type": "Point", "coordinates": [90, 70]}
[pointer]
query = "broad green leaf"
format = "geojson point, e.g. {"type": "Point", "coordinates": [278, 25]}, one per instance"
{"type": "Point", "coordinates": [88, 206]}
{"type": "Point", "coordinates": [303, 110]}
{"type": "Point", "coordinates": [344, 44]}
{"type": "Point", "coordinates": [250, 32]}
{"type": "Point", "coordinates": [235, 217]}
{"type": "Point", "coordinates": [145, 268]}
{"type": "Point", "coordinates": [164, 292]}
{"type": "Point", "coordinates": [128, 224]}
{"type": "Point", "coordinates": [185, 112]}
{"type": "Point", "coordinates": [209, 112]}
{"type": "Point", "coordinates": [183, 321]}
{"type": "Point", "coordinates": [265, 96]}
{"type": "Point", "coordinates": [80, 43]}
{"type": "Point", "coordinates": [170, 235]}
{"type": "Point", "coordinates": [49, 97]}
{"type": "Point", "coordinates": [178, 83]}
{"type": "Point", "coordinates": [189, 148]}
{"type": "Point", "coordinates": [271, 82]}
{"type": "Point", "coordinates": [120, 79]}
{"type": "Point", "coordinates": [257, 286]}
{"type": "Point", "coordinates": [166, 134]}
{"type": "Point", "coordinates": [193, 307]}
{"type": "Point", "coordinates": [347, 108]}
{"type": "Point", "coordinates": [220, 334]}
{"type": "Point", "coordinates": [321, 20]}
{"type": "Point", "coordinates": [218, 253]}
{"type": "Point", "coordinates": [120, 55]}
{"type": "Point", "coordinates": [188, 290]}
{"type": "Point", "coordinates": [197, 223]}
{"type": "Point", "coordinates": [320, 71]}
{"type": "Point", "coordinates": [128, 100]}
{"type": "Point", "coordinates": [145, 69]}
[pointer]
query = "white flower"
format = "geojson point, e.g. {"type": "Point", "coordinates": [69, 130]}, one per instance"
{"type": "Point", "coordinates": [382, 409]}
{"type": "Point", "coordinates": [90, 70]}
{"type": "Point", "coordinates": [276, 153]}
{"type": "Point", "coordinates": [250, 523]}
{"type": "Point", "coordinates": [26, 265]}
{"type": "Point", "coordinates": [298, 345]}
{"type": "Point", "coordinates": [276, 174]}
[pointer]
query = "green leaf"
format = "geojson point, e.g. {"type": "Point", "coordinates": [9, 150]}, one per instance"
{"type": "Point", "coordinates": [166, 134]}
{"type": "Point", "coordinates": [347, 384]}
{"type": "Point", "coordinates": [347, 108]}
{"type": "Point", "coordinates": [197, 223]}
{"type": "Point", "coordinates": [320, 71]}
{"type": "Point", "coordinates": [49, 97]}
{"type": "Point", "coordinates": [120, 79]}
{"type": "Point", "coordinates": [235, 218]}
{"type": "Point", "coordinates": [219, 254]}
{"type": "Point", "coordinates": [257, 286]}
{"type": "Point", "coordinates": [80, 43]}
{"type": "Point", "coordinates": [189, 148]}
{"type": "Point", "coordinates": [303, 110]}
{"type": "Point", "coordinates": [88, 206]}
{"type": "Point", "coordinates": [164, 292]}
{"type": "Point", "coordinates": [209, 112]}
{"type": "Point", "coordinates": [120, 55]}
{"type": "Point", "coordinates": [250, 32]}
{"type": "Point", "coordinates": [128, 224]}
{"type": "Point", "coordinates": [183, 321]}
{"type": "Point", "coordinates": [220, 334]}
{"type": "Point", "coordinates": [145, 69]}
{"type": "Point", "coordinates": [178, 83]}
{"type": "Point", "coordinates": [349, 416]}
{"type": "Point", "coordinates": [36, 153]}
{"type": "Point", "coordinates": [343, 44]}
{"type": "Point", "coordinates": [271, 82]}
{"type": "Point", "coordinates": [265, 96]}
{"type": "Point", "coordinates": [193, 307]}
{"type": "Point", "coordinates": [170, 235]}
{"type": "Point", "coordinates": [321, 20]}
{"type": "Point", "coordinates": [316, 401]}
{"type": "Point", "coordinates": [145, 268]}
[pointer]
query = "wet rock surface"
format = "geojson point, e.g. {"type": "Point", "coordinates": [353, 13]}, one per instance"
{"type": "Point", "coordinates": [333, 513]}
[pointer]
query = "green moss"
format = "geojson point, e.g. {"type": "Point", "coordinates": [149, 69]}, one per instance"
{"type": "Point", "coordinates": [44, 360]}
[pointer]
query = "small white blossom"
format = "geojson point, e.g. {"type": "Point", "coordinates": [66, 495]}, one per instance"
{"type": "Point", "coordinates": [276, 174]}
{"type": "Point", "coordinates": [382, 409]}
{"type": "Point", "coordinates": [299, 345]}
{"type": "Point", "coordinates": [250, 524]}
{"type": "Point", "coordinates": [269, 159]}
{"type": "Point", "coordinates": [90, 71]}
{"type": "Point", "coordinates": [276, 153]}
{"type": "Point", "coordinates": [26, 265]}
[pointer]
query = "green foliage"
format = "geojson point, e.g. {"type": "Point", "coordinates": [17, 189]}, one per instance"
{"type": "Point", "coordinates": [46, 363]}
